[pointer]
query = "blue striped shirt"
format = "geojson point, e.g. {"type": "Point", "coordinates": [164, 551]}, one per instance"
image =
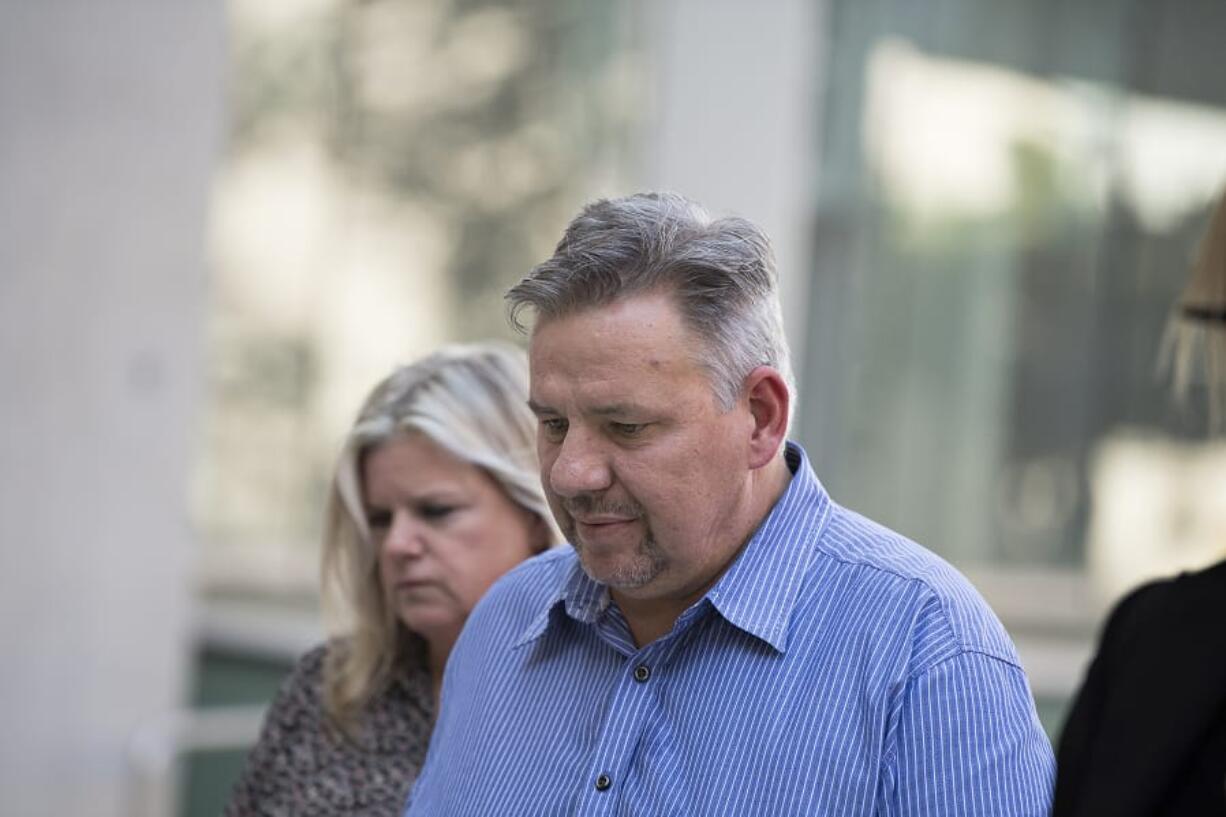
{"type": "Point", "coordinates": [836, 668]}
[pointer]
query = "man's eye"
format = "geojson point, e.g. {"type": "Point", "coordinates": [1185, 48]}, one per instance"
{"type": "Point", "coordinates": [554, 427]}
{"type": "Point", "coordinates": [377, 520]}
{"type": "Point", "coordinates": [628, 429]}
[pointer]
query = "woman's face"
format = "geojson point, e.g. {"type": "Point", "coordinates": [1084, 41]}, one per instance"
{"type": "Point", "coordinates": [445, 531]}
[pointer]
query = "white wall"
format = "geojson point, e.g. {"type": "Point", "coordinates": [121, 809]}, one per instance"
{"type": "Point", "coordinates": [109, 122]}
{"type": "Point", "coordinates": [735, 120]}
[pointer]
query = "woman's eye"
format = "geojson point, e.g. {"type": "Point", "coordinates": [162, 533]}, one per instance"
{"type": "Point", "coordinates": [377, 520]}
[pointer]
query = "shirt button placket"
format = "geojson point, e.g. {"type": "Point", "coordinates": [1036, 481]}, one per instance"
{"type": "Point", "coordinates": [599, 798]}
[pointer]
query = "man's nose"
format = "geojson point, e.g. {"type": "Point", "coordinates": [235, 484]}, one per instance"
{"type": "Point", "coordinates": [405, 536]}
{"type": "Point", "coordinates": [580, 467]}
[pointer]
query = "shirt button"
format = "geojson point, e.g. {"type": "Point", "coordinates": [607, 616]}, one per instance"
{"type": "Point", "coordinates": [641, 673]}
{"type": "Point", "coordinates": [603, 782]}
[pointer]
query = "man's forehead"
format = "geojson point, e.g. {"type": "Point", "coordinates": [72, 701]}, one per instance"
{"type": "Point", "coordinates": [573, 389]}
{"type": "Point", "coordinates": [634, 352]}
{"type": "Point", "coordinates": [599, 385]}
{"type": "Point", "coordinates": [607, 366]}
{"type": "Point", "coordinates": [650, 307]}
{"type": "Point", "coordinates": [637, 324]}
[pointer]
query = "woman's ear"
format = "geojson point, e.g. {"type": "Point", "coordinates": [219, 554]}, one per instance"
{"type": "Point", "coordinates": [769, 406]}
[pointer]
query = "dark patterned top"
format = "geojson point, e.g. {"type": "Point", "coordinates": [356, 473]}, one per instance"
{"type": "Point", "coordinates": [303, 769]}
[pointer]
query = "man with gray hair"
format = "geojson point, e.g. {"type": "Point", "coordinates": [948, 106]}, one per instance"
{"type": "Point", "coordinates": [722, 638]}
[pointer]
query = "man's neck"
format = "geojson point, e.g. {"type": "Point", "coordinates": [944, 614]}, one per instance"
{"type": "Point", "coordinates": [652, 618]}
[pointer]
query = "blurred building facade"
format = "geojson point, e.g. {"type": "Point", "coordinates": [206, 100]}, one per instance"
{"type": "Point", "coordinates": [982, 212]}
{"type": "Point", "coordinates": [1008, 201]}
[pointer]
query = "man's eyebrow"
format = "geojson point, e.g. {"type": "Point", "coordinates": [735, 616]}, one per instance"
{"type": "Point", "coordinates": [538, 409]}
{"type": "Point", "coordinates": [610, 410]}
{"type": "Point", "coordinates": [617, 409]}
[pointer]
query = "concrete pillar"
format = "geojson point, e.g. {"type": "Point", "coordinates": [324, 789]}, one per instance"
{"type": "Point", "coordinates": [735, 120]}
{"type": "Point", "coordinates": [110, 119]}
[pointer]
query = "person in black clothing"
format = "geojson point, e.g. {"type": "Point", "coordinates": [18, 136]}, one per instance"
{"type": "Point", "coordinates": [1147, 732]}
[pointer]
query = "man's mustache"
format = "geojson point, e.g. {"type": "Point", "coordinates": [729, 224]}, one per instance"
{"type": "Point", "coordinates": [593, 505]}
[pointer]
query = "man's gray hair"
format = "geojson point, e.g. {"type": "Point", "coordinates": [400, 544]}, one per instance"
{"type": "Point", "coordinates": [721, 272]}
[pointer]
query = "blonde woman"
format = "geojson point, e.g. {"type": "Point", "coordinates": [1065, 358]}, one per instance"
{"type": "Point", "coordinates": [436, 495]}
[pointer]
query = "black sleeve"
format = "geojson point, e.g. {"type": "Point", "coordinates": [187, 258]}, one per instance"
{"type": "Point", "coordinates": [1079, 740]}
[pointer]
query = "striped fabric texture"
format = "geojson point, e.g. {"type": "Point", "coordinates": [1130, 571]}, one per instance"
{"type": "Point", "coordinates": [836, 668]}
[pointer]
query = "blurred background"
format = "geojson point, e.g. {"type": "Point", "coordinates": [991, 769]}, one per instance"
{"type": "Point", "coordinates": [220, 223]}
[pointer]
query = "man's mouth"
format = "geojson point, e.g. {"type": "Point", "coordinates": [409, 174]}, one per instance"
{"type": "Point", "coordinates": [593, 529]}
{"type": "Point", "coordinates": [600, 521]}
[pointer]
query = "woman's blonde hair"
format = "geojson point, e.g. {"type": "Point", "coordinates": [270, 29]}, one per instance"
{"type": "Point", "coordinates": [472, 401]}
{"type": "Point", "coordinates": [1197, 335]}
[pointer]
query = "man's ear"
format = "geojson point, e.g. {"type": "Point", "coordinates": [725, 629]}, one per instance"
{"type": "Point", "coordinates": [769, 403]}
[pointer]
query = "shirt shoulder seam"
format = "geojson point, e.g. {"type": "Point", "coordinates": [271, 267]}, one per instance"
{"type": "Point", "coordinates": [956, 639]}
{"type": "Point", "coordinates": [960, 652]}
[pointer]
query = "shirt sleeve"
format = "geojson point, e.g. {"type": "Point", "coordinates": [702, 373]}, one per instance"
{"type": "Point", "coordinates": [965, 740]}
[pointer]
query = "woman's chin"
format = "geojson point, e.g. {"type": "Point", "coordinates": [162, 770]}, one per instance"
{"type": "Point", "coordinates": [429, 622]}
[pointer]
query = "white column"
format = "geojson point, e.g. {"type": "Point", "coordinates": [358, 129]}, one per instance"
{"type": "Point", "coordinates": [110, 118]}
{"type": "Point", "coordinates": [734, 120]}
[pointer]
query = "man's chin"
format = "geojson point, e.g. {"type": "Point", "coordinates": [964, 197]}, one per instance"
{"type": "Point", "coordinates": [618, 574]}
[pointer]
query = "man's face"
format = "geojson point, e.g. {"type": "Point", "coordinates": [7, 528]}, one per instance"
{"type": "Point", "coordinates": [640, 464]}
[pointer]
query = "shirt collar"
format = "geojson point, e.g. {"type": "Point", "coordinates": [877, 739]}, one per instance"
{"type": "Point", "coordinates": [583, 600]}
{"type": "Point", "coordinates": [758, 591]}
